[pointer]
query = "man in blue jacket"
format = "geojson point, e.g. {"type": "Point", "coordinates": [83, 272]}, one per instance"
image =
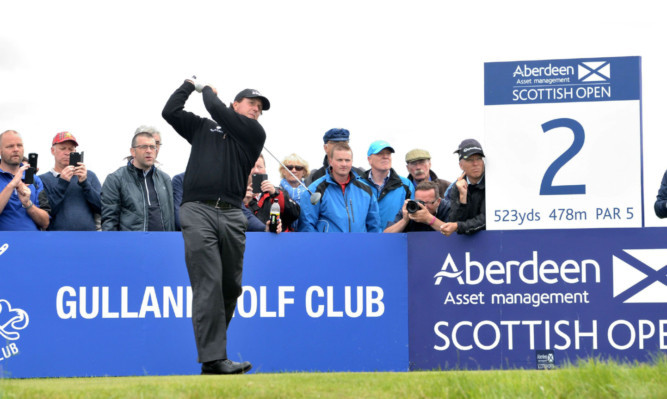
{"type": "Point", "coordinates": [390, 189]}
{"type": "Point", "coordinates": [347, 203]}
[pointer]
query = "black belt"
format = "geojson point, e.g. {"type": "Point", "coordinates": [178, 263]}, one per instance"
{"type": "Point", "coordinates": [218, 204]}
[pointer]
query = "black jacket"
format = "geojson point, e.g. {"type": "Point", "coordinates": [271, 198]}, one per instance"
{"type": "Point", "coordinates": [124, 200]}
{"type": "Point", "coordinates": [471, 217]}
{"type": "Point", "coordinates": [289, 210]}
{"type": "Point", "coordinates": [223, 151]}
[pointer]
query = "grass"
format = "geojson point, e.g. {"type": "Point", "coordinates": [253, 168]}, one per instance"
{"type": "Point", "coordinates": [589, 378]}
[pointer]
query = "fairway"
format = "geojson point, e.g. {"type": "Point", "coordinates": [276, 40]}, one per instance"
{"type": "Point", "coordinates": [588, 379]}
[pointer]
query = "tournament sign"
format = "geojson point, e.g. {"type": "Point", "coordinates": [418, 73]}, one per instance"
{"type": "Point", "coordinates": [563, 143]}
{"type": "Point", "coordinates": [536, 299]}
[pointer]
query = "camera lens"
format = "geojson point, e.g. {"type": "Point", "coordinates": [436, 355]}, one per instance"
{"type": "Point", "coordinates": [412, 206]}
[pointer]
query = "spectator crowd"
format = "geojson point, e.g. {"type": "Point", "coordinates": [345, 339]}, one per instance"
{"type": "Point", "coordinates": [139, 196]}
{"type": "Point", "coordinates": [336, 197]}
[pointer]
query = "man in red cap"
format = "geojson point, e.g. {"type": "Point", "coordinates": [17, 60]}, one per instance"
{"type": "Point", "coordinates": [73, 190]}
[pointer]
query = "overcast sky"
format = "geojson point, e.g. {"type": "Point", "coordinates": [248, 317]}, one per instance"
{"type": "Point", "coordinates": [410, 73]}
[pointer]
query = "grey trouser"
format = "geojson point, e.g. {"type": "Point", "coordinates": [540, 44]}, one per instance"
{"type": "Point", "coordinates": [214, 246]}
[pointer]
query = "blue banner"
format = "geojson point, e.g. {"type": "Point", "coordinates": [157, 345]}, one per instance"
{"type": "Point", "coordinates": [503, 299]}
{"type": "Point", "coordinates": [558, 81]}
{"type": "Point", "coordinates": [95, 304]}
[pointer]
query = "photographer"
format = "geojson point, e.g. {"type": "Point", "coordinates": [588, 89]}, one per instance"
{"type": "Point", "coordinates": [21, 207]}
{"type": "Point", "coordinates": [261, 194]}
{"type": "Point", "coordinates": [427, 212]}
{"type": "Point", "coordinates": [73, 190]}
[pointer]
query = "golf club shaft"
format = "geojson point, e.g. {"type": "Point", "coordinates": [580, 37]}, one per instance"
{"type": "Point", "coordinates": [288, 171]}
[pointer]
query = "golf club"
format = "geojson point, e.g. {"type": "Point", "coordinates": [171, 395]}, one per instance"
{"type": "Point", "coordinates": [314, 197]}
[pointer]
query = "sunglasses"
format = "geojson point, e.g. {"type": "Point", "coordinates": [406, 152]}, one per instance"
{"type": "Point", "coordinates": [298, 168]}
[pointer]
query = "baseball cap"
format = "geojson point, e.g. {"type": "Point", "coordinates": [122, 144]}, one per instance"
{"type": "Point", "coordinates": [417, 155]}
{"type": "Point", "coordinates": [378, 146]}
{"type": "Point", "coordinates": [64, 136]}
{"type": "Point", "coordinates": [469, 147]}
{"type": "Point", "coordinates": [336, 134]}
{"type": "Point", "coordinates": [252, 93]}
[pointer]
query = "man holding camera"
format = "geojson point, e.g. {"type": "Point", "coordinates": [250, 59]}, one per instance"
{"type": "Point", "coordinates": [19, 204]}
{"type": "Point", "coordinates": [427, 212]}
{"type": "Point", "coordinates": [73, 190]}
{"type": "Point", "coordinates": [261, 194]}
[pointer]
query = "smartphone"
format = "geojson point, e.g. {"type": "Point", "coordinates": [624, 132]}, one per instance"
{"type": "Point", "coordinates": [29, 177]}
{"type": "Point", "coordinates": [257, 179]}
{"type": "Point", "coordinates": [32, 160]}
{"type": "Point", "coordinates": [75, 157]}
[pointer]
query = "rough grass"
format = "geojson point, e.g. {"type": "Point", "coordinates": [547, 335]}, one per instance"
{"type": "Point", "coordinates": [590, 378]}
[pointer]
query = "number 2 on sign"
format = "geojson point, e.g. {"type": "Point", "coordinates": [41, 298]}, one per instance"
{"type": "Point", "coordinates": [547, 187]}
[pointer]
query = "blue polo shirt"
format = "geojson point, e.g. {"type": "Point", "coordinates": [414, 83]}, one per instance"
{"type": "Point", "coordinates": [14, 217]}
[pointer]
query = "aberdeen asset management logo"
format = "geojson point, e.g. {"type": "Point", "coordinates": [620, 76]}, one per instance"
{"type": "Point", "coordinates": [445, 271]}
{"type": "Point", "coordinates": [594, 71]}
{"type": "Point", "coordinates": [12, 320]}
{"type": "Point", "coordinates": [640, 276]}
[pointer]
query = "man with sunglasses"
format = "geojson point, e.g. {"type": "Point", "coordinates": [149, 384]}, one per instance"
{"type": "Point", "coordinates": [467, 195]}
{"type": "Point", "coordinates": [426, 213]}
{"type": "Point", "coordinates": [138, 196]}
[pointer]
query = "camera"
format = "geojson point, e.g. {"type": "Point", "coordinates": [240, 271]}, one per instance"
{"type": "Point", "coordinates": [413, 205]}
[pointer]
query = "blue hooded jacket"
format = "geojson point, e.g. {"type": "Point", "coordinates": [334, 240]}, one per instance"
{"type": "Point", "coordinates": [393, 195]}
{"type": "Point", "coordinates": [355, 211]}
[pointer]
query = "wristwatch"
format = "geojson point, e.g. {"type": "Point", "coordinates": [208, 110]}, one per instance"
{"type": "Point", "coordinates": [30, 204]}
